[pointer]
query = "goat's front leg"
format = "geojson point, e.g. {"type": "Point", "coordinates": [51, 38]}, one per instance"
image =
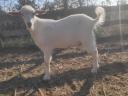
{"type": "Point", "coordinates": [95, 63]}
{"type": "Point", "coordinates": [47, 60]}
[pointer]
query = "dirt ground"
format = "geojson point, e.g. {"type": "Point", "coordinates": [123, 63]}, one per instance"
{"type": "Point", "coordinates": [21, 72]}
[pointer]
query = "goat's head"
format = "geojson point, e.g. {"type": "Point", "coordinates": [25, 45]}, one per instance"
{"type": "Point", "coordinates": [27, 13]}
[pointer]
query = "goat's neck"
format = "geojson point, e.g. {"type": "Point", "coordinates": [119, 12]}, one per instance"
{"type": "Point", "coordinates": [34, 26]}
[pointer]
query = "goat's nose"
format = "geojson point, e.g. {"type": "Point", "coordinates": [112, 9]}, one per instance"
{"type": "Point", "coordinates": [29, 25]}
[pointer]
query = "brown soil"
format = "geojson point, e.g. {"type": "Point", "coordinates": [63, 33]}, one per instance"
{"type": "Point", "coordinates": [21, 72]}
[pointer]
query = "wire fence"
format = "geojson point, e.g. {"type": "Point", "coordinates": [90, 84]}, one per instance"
{"type": "Point", "coordinates": [10, 26]}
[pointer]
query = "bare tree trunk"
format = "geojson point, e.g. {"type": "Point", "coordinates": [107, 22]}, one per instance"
{"type": "Point", "coordinates": [80, 3]}
{"type": "Point", "coordinates": [65, 3]}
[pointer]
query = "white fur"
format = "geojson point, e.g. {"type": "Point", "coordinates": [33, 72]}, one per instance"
{"type": "Point", "coordinates": [49, 34]}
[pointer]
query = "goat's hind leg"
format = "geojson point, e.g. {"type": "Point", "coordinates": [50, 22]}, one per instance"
{"type": "Point", "coordinates": [92, 50]}
{"type": "Point", "coordinates": [95, 63]}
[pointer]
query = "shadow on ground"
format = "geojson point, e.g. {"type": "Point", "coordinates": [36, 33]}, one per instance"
{"type": "Point", "coordinates": [59, 80]}
{"type": "Point", "coordinates": [66, 77]}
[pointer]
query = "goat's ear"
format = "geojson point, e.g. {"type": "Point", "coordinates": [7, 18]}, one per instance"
{"type": "Point", "coordinates": [40, 12]}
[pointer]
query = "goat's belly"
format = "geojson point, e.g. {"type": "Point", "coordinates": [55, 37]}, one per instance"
{"type": "Point", "coordinates": [66, 44]}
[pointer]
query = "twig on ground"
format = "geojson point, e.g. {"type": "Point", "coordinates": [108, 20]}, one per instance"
{"type": "Point", "coordinates": [94, 91]}
{"type": "Point", "coordinates": [41, 93]}
{"type": "Point", "coordinates": [15, 92]}
{"type": "Point", "coordinates": [91, 92]}
{"type": "Point", "coordinates": [29, 92]}
{"type": "Point", "coordinates": [5, 77]}
{"type": "Point", "coordinates": [103, 89]}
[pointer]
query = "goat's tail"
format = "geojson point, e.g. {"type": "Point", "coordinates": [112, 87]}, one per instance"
{"type": "Point", "coordinates": [100, 12]}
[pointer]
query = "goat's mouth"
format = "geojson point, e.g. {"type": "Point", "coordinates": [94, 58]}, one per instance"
{"type": "Point", "coordinates": [29, 25]}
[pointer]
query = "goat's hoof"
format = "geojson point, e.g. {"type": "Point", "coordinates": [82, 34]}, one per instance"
{"type": "Point", "coordinates": [46, 77]}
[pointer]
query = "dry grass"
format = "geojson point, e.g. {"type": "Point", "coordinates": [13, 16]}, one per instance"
{"type": "Point", "coordinates": [70, 73]}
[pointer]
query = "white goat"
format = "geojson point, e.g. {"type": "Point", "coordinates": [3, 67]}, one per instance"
{"type": "Point", "coordinates": [76, 29]}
